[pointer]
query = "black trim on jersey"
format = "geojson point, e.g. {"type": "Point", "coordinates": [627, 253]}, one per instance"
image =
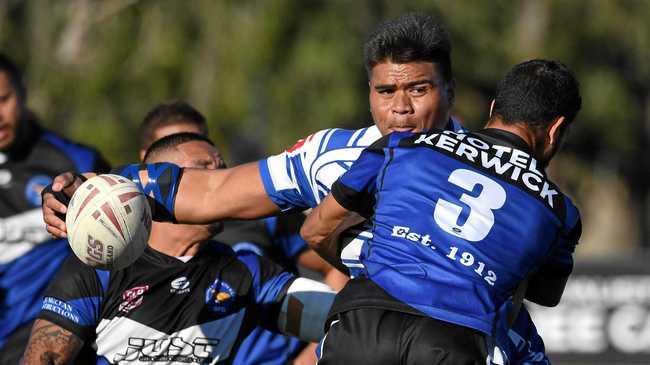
{"type": "Point", "coordinates": [501, 138]}
{"type": "Point", "coordinates": [356, 201]}
{"type": "Point", "coordinates": [364, 293]}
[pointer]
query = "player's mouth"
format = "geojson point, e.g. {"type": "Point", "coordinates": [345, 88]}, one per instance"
{"type": "Point", "coordinates": [402, 129]}
{"type": "Point", "coordinates": [4, 131]}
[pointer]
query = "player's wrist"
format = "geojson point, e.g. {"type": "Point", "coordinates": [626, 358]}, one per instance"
{"type": "Point", "coordinates": [161, 187]}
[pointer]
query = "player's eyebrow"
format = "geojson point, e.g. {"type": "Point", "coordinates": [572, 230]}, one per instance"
{"type": "Point", "coordinates": [409, 84]}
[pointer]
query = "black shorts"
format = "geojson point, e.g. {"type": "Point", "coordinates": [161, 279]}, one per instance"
{"type": "Point", "coordinates": [380, 336]}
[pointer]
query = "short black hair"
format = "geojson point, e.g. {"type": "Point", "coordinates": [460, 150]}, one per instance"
{"type": "Point", "coordinates": [536, 92]}
{"type": "Point", "coordinates": [15, 76]}
{"type": "Point", "coordinates": [172, 141]}
{"type": "Point", "coordinates": [170, 112]}
{"type": "Point", "coordinates": [409, 38]}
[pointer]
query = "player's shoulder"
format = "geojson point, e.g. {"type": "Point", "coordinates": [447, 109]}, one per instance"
{"type": "Point", "coordinates": [335, 138]}
{"type": "Point", "coordinates": [84, 157]}
{"type": "Point", "coordinates": [75, 278]}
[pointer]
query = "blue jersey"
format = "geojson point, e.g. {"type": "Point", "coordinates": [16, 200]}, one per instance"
{"type": "Point", "coordinates": [300, 177]}
{"type": "Point", "coordinates": [459, 222]}
{"type": "Point", "coordinates": [29, 256]}
{"type": "Point", "coordinates": [276, 238]}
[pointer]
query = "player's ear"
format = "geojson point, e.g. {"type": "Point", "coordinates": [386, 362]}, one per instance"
{"type": "Point", "coordinates": [555, 129]}
{"type": "Point", "coordinates": [491, 107]}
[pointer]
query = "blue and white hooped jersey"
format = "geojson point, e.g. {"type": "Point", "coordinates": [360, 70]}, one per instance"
{"type": "Point", "coordinates": [458, 222]}
{"type": "Point", "coordinates": [300, 177]}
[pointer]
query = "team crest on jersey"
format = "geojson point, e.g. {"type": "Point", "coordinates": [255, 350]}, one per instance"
{"type": "Point", "coordinates": [132, 298]}
{"type": "Point", "coordinates": [34, 187]}
{"type": "Point", "coordinates": [219, 296]}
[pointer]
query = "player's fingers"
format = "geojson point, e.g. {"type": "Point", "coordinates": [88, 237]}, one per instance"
{"type": "Point", "coordinates": [62, 181]}
{"type": "Point", "coordinates": [54, 220]}
{"type": "Point", "coordinates": [57, 233]}
{"type": "Point", "coordinates": [50, 202]}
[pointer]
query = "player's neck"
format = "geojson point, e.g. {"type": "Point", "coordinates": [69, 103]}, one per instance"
{"type": "Point", "coordinates": [528, 135]}
{"type": "Point", "coordinates": [177, 240]}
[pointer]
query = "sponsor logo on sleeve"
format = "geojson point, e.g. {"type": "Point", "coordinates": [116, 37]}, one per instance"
{"type": "Point", "coordinates": [61, 308]}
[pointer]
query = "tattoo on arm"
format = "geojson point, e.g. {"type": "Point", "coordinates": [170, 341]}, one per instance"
{"type": "Point", "coordinates": [51, 344]}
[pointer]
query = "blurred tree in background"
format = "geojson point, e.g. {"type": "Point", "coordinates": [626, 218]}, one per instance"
{"type": "Point", "coordinates": [268, 72]}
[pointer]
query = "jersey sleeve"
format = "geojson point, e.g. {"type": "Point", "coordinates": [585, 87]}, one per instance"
{"type": "Point", "coordinates": [269, 287]}
{"type": "Point", "coordinates": [355, 190]}
{"type": "Point", "coordinates": [547, 284]}
{"type": "Point", "coordinates": [528, 344]}
{"type": "Point", "coordinates": [286, 175]}
{"type": "Point", "coordinates": [285, 233]}
{"type": "Point", "coordinates": [73, 298]}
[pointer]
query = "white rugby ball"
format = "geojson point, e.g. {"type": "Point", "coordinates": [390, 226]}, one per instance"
{"type": "Point", "coordinates": [108, 222]}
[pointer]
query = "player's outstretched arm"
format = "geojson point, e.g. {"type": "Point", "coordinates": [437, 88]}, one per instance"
{"type": "Point", "coordinates": [195, 196]}
{"type": "Point", "coordinates": [205, 196]}
{"type": "Point", "coordinates": [51, 344]}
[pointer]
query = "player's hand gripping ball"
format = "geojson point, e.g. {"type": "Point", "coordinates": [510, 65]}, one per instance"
{"type": "Point", "coordinates": [108, 222]}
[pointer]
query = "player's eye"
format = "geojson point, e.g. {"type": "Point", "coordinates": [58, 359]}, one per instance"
{"type": "Point", "coordinates": [419, 90]}
{"type": "Point", "coordinates": [385, 91]}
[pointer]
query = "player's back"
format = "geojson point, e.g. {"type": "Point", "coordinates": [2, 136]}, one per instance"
{"type": "Point", "coordinates": [459, 223]}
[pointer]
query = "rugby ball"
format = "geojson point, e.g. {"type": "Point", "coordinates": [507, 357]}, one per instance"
{"type": "Point", "coordinates": [108, 222]}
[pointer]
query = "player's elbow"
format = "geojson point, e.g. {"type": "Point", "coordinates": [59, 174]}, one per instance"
{"type": "Point", "coordinates": [310, 234]}
{"type": "Point", "coordinates": [546, 291]}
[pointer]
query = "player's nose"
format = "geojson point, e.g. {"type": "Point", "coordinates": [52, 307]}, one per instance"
{"type": "Point", "coordinates": [401, 103]}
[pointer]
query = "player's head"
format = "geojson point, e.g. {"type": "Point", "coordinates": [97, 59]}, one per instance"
{"type": "Point", "coordinates": [167, 118]}
{"type": "Point", "coordinates": [543, 97]}
{"type": "Point", "coordinates": [12, 100]}
{"type": "Point", "coordinates": [189, 150]}
{"type": "Point", "coordinates": [408, 61]}
{"type": "Point", "coordinates": [185, 149]}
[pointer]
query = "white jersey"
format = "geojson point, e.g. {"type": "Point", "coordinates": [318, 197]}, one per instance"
{"type": "Point", "coordinates": [300, 177]}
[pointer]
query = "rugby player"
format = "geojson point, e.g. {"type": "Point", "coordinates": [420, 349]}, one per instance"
{"type": "Point", "coordinates": [30, 157]}
{"type": "Point", "coordinates": [275, 237]}
{"type": "Point", "coordinates": [458, 222]}
{"type": "Point", "coordinates": [186, 300]}
{"type": "Point", "coordinates": [411, 88]}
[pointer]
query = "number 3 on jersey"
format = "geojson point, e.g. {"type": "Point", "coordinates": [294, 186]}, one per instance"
{"type": "Point", "coordinates": [481, 219]}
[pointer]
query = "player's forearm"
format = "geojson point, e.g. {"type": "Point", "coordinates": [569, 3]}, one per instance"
{"type": "Point", "coordinates": [318, 231]}
{"type": "Point", "coordinates": [202, 196]}
{"type": "Point", "coordinates": [205, 196]}
{"type": "Point", "coordinates": [51, 344]}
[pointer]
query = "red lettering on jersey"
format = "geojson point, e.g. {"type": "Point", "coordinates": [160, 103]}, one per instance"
{"type": "Point", "coordinates": [300, 143]}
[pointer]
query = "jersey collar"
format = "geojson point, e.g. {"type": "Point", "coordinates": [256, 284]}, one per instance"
{"type": "Point", "coordinates": [505, 138]}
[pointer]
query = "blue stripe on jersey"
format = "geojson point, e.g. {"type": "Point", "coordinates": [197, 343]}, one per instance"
{"type": "Point", "coordinates": [290, 245]}
{"type": "Point", "coordinates": [248, 246]}
{"type": "Point", "coordinates": [103, 276]}
{"type": "Point", "coordinates": [23, 282]}
{"type": "Point", "coordinates": [263, 292]}
{"type": "Point", "coordinates": [101, 360]}
{"type": "Point", "coordinates": [82, 311]}
{"type": "Point", "coordinates": [286, 200]}
{"type": "Point", "coordinates": [82, 157]}
{"type": "Point", "coordinates": [262, 346]}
